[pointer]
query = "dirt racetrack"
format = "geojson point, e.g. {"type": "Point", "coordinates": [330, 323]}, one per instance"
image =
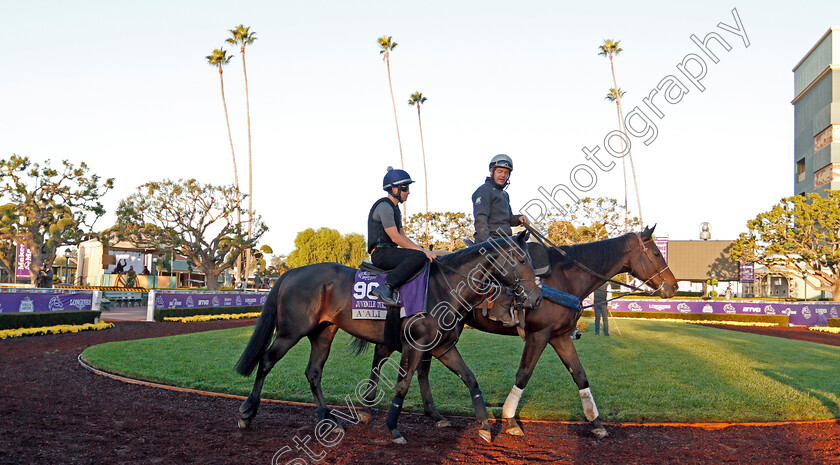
{"type": "Point", "coordinates": [54, 411]}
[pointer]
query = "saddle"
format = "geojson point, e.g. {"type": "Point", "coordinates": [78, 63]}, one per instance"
{"type": "Point", "coordinates": [368, 266]}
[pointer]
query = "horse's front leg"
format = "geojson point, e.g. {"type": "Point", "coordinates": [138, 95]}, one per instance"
{"type": "Point", "coordinates": [452, 359]}
{"type": "Point", "coordinates": [565, 348]}
{"type": "Point", "coordinates": [534, 346]}
{"type": "Point", "coordinates": [429, 406]}
{"type": "Point", "coordinates": [408, 364]}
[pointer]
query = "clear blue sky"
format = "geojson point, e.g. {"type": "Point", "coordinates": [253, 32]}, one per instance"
{"type": "Point", "coordinates": [126, 88]}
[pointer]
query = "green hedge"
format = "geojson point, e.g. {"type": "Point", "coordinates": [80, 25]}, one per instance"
{"type": "Point", "coordinates": [834, 322]}
{"type": "Point", "coordinates": [779, 320]}
{"type": "Point", "coordinates": [38, 319]}
{"type": "Point", "coordinates": [162, 313]}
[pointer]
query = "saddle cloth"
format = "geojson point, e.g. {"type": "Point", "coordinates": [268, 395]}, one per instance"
{"type": "Point", "coordinates": [412, 295]}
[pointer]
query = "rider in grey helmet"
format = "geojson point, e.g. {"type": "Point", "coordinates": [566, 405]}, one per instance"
{"type": "Point", "coordinates": [388, 246]}
{"type": "Point", "coordinates": [494, 217]}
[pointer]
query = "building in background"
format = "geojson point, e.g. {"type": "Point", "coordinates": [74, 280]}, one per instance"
{"type": "Point", "coordinates": [816, 107]}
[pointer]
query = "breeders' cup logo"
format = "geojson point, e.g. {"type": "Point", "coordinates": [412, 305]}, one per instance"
{"type": "Point", "coordinates": [26, 305]}
{"type": "Point", "coordinates": [634, 307]}
{"type": "Point", "coordinates": [683, 308]}
{"type": "Point", "coordinates": [262, 300]}
{"type": "Point", "coordinates": [365, 276]}
{"type": "Point", "coordinates": [190, 301]}
{"type": "Point", "coordinates": [729, 308]}
{"type": "Point", "coordinates": [660, 307]}
{"type": "Point", "coordinates": [769, 310]}
{"type": "Point", "coordinates": [806, 312]}
{"type": "Point", "coordinates": [215, 301]}
{"type": "Point", "coordinates": [55, 304]}
{"type": "Point", "coordinates": [159, 301]}
{"type": "Point", "coordinates": [833, 312]}
{"type": "Point", "coordinates": [238, 300]}
{"type": "Point", "coordinates": [708, 309]}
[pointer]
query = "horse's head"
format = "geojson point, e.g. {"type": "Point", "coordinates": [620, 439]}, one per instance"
{"type": "Point", "coordinates": [512, 268]}
{"type": "Point", "coordinates": [647, 263]}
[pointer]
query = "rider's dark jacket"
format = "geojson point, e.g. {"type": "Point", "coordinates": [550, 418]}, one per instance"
{"type": "Point", "coordinates": [377, 237]}
{"type": "Point", "coordinates": [491, 210]}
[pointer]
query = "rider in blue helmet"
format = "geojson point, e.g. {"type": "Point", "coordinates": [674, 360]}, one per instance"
{"type": "Point", "coordinates": [388, 246]}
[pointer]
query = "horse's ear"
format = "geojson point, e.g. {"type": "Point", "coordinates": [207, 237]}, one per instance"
{"type": "Point", "coordinates": [648, 232]}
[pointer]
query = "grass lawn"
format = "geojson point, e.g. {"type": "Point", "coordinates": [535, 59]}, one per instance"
{"type": "Point", "coordinates": [658, 371]}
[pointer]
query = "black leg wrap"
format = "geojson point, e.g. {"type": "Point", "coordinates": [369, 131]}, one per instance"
{"type": "Point", "coordinates": [478, 404]}
{"type": "Point", "coordinates": [322, 413]}
{"type": "Point", "coordinates": [394, 413]}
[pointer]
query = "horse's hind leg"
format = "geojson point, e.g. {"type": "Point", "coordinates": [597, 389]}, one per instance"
{"type": "Point", "coordinates": [321, 340]}
{"type": "Point", "coordinates": [370, 397]}
{"type": "Point", "coordinates": [429, 406]}
{"type": "Point", "coordinates": [278, 349]}
{"type": "Point", "coordinates": [565, 348]}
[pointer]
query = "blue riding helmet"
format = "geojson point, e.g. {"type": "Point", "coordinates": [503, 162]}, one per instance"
{"type": "Point", "coordinates": [395, 178]}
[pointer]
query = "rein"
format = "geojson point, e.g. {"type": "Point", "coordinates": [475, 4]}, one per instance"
{"type": "Point", "coordinates": [637, 290]}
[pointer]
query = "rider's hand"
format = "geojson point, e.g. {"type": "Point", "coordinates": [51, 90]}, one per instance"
{"type": "Point", "coordinates": [524, 220]}
{"type": "Point", "coordinates": [429, 254]}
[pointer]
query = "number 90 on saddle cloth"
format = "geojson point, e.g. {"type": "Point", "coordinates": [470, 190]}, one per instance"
{"type": "Point", "coordinates": [412, 295]}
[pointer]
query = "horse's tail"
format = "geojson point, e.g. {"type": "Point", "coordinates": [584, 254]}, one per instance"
{"type": "Point", "coordinates": [261, 337]}
{"type": "Point", "coordinates": [358, 346]}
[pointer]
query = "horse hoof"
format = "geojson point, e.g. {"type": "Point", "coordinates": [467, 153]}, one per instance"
{"type": "Point", "coordinates": [243, 423]}
{"type": "Point", "coordinates": [515, 431]}
{"type": "Point", "coordinates": [600, 433]}
{"type": "Point", "coordinates": [365, 417]}
{"type": "Point", "coordinates": [485, 435]}
{"type": "Point", "coordinates": [443, 423]}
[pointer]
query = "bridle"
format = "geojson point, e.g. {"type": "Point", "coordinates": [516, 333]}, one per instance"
{"type": "Point", "coordinates": [647, 253]}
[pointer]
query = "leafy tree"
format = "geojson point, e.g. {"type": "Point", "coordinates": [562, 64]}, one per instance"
{"type": "Point", "coordinates": [801, 234]}
{"type": "Point", "coordinates": [277, 266]}
{"type": "Point", "coordinates": [48, 207]}
{"type": "Point", "coordinates": [218, 59]}
{"type": "Point", "coordinates": [447, 229]}
{"type": "Point", "coordinates": [610, 49]}
{"type": "Point", "coordinates": [327, 245]}
{"type": "Point", "coordinates": [8, 256]}
{"type": "Point", "coordinates": [417, 99]}
{"type": "Point", "coordinates": [590, 219]}
{"type": "Point", "coordinates": [242, 36]}
{"type": "Point", "coordinates": [189, 218]}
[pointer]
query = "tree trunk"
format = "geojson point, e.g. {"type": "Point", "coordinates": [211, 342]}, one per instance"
{"type": "Point", "coordinates": [835, 291]}
{"type": "Point", "coordinates": [399, 142]}
{"type": "Point", "coordinates": [623, 129]}
{"type": "Point", "coordinates": [235, 172]}
{"type": "Point", "coordinates": [425, 172]}
{"type": "Point", "coordinates": [250, 186]}
{"type": "Point", "coordinates": [211, 281]}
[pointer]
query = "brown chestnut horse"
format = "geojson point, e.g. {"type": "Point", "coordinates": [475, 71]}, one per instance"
{"type": "Point", "coordinates": [315, 301]}
{"type": "Point", "coordinates": [553, 324]}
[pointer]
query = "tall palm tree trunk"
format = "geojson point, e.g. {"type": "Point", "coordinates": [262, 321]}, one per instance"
{"type": "Point", "coordinates": [250, 171]}
{"type": "Point", "coordinates": [399, 142]}
{"type": "Point", "coordinates": [235, 173]}
{"type": "Point", "coordinates": [425, 172]}
{"type": "Point", "coordinates": [623, 129]}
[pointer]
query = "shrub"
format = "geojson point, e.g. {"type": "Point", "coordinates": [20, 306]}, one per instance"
{"type": "Point", "coordinates": [779, 320]}
{"type": "Point", "coordinates": [834, 322]}
{"type": "Point", "coordinates": [38, 319]}
{"type": "Point", "coordinates": [162, 313]}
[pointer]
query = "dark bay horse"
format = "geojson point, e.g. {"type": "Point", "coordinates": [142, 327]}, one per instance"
{"type": "Point", "coordinates": [315, 301]}
{"type": "Point", "coordinates": [635, 253]}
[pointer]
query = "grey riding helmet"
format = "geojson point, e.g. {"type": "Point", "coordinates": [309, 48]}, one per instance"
{"type": "Point", "coordinates": [501, 161]}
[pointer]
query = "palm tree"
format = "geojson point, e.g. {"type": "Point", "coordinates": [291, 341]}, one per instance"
{"type": "Point", "coordinates": [218, 59]}
{"type": "Point", "coordinates": [418, 99]}
{"type": "Point", "coordinates": [387, 45]}
{"type": "Point", "coordinates": [610, 49]}
{"type": "Point", "coordinates": [242, 36]}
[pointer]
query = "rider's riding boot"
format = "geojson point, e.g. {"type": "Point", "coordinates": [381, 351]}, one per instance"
{"type": "Point", "coordinates": [503, 314]}
{"type": "Point", "coordinates": [386, 293]}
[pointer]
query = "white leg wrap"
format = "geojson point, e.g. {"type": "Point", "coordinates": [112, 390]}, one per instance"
{"type": "Point", "coordinates": [589, 407]}
{"type": "Point", "coordinates": [511, 403]}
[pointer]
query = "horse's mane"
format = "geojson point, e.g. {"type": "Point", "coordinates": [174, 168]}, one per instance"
{"type": "Point", "coordinates": [598, 255]}
{"type": "Point", "coordinates": [463, 256]}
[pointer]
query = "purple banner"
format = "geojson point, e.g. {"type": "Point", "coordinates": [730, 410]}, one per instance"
{"type": "Point", "coordinates": [207, 299]}
{"type": "Point", "coordinates": [24, 258]}
{"type": "Point", "coordinates": [368, 307]}
{"type": "Point", "coordinates": [27, 300]}
{"type": "Point", "coordinates": [747, 272]}
{"type": "Point", "coordinates": [799, 313]}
